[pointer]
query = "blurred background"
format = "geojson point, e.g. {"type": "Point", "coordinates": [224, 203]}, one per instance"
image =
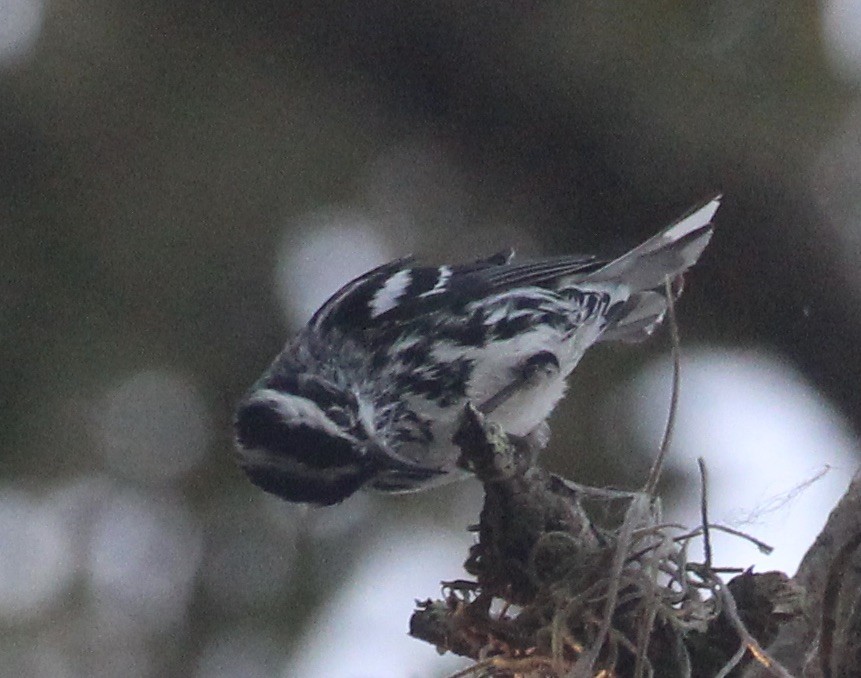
{"type": "Point", "coordinates": [182, 183]}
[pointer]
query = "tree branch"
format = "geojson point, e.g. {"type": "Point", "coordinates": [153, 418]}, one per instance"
{"type": "Point", "coordinates": [555, 595]}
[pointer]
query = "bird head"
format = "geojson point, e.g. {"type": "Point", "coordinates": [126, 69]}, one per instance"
{"type": "Point", "coordinates": [303, 438]}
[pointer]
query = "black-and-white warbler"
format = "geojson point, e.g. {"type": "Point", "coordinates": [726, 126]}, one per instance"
{"type": "Point", "coordinates": [370, 392]}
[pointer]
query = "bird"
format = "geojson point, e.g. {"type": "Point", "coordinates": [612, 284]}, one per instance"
{"type": "Point", "coordinates": [368, 395]}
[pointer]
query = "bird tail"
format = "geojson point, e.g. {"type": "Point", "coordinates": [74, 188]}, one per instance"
{"type": "Point", "coordinates": [667, 254]}
{"type": "Point", "coordinates": [645, 269]}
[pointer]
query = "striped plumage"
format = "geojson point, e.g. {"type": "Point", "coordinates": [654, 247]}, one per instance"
{"type": "Point", "coordinates": [370, 391]}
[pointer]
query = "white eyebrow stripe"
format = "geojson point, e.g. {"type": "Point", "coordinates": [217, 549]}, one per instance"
{"type": "Point", "coordinates": [442, 281]}
{"type": "Point", "coordinates": [386, 298]}
{"type": "Point", "coordinates": [295, 410]}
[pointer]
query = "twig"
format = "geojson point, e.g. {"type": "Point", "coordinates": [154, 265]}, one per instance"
{"type": "Point", "coordinates": [761, 545]}
{"type": "Point", "coordinates": [732, 663]}
{"type": "Point", "coordinates": [606, 493]}
{"type": "Point", "coordinates": [643, 638]}
{"type": "Point", "coordinates": [704, 514]}
{"type": "Point", "coordinates": [586, 662]}
{"type": "Point", "coordinates": [658, 465]}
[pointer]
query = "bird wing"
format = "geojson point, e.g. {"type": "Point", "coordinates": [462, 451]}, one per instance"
{"type": "Point", "coordinates": [399, 291]}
